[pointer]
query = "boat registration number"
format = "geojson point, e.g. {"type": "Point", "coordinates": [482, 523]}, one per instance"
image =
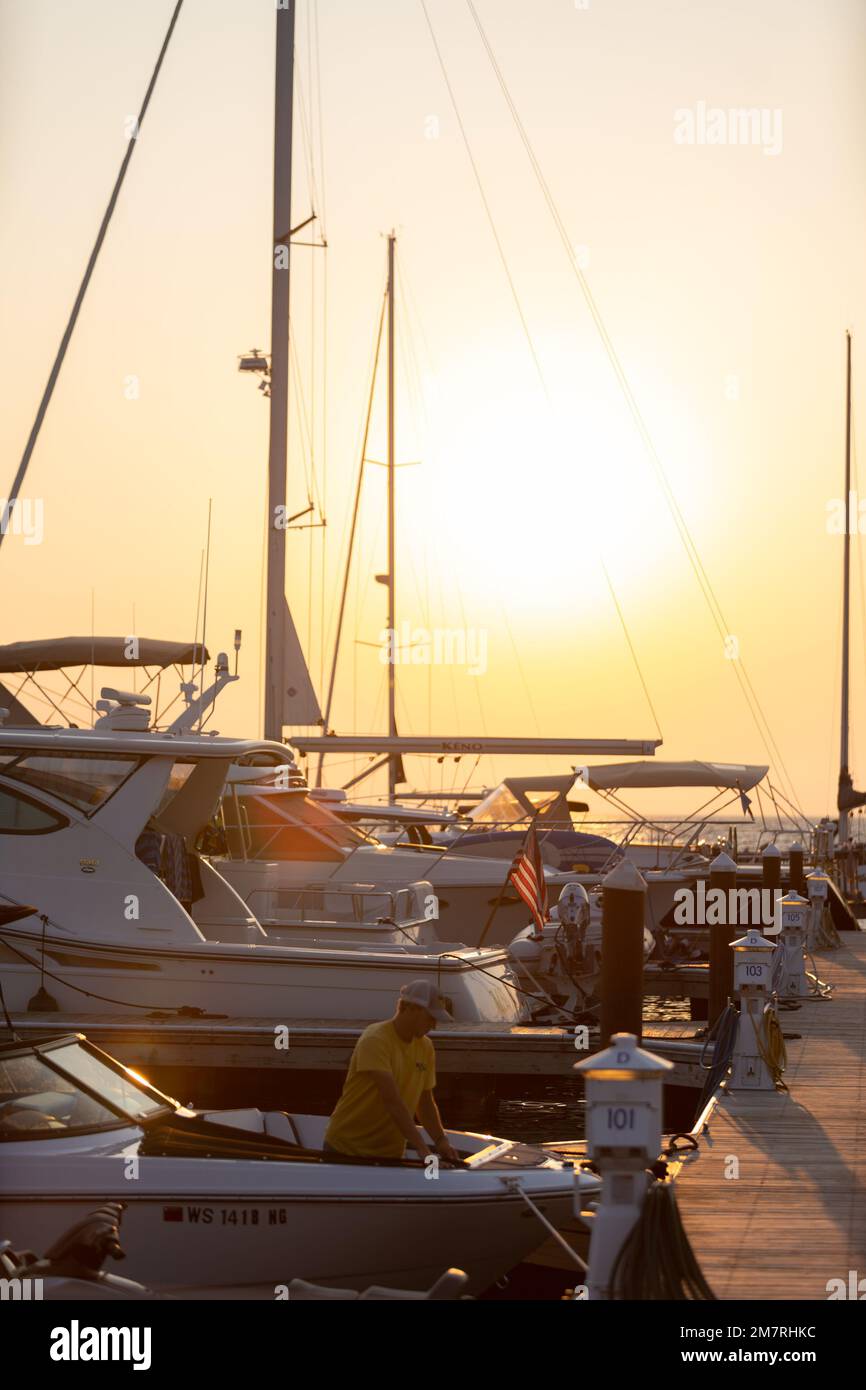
{"type": "Point", "coordinates": [227, 1216]}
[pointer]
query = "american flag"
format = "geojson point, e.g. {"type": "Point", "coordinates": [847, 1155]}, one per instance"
{"type": "Point", "coordinates": [527, 876]}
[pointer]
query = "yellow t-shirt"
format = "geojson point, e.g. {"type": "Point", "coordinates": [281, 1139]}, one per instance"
{"type": "Point", "coordinates": [360, 1124]}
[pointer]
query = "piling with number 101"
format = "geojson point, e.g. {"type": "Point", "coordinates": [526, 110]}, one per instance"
{"type": "Point", "coordinates": [623, 909]}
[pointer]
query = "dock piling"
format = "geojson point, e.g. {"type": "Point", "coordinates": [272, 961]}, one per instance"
{"type": "Point", "coordinates": [723, 875]}
{"type": "Point", "coordinates": [623, 913]}
{"type": "Point", "coordinates": [796, 880]}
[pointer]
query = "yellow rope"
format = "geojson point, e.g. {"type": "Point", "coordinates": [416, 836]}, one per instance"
{"type": "Point", "coordinates": [771, 1045]}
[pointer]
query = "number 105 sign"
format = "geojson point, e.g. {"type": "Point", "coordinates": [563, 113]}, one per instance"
{"type": "Point", "coordinates": [620, 1126]}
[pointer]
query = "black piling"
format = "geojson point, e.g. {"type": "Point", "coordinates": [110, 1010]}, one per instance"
{"type": "Point", "coordinates": [723, 875]}
{"type": "Point", "coordinates": [623, 910]}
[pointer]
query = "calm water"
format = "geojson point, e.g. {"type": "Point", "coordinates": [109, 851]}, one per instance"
{"type": "Point", "coordinates": [555, 1110]}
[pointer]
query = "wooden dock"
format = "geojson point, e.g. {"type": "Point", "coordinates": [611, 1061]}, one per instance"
{"type": "Point", "coordinates": [795, 1217]}
{"type": "Point", "coordinates": [215, 1052]}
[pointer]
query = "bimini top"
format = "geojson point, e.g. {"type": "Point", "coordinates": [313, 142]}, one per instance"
{"type": "Point", "coordinates": [143, 743]}
{"type": "Point", "coordinates": [615, 776]}
{"type": "Point", "coordinates": [56, 653]}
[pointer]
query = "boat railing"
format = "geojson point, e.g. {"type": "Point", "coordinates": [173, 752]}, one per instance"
{"type": "Point", "coordinates": [351, 904]}
{"type": "Point", "coordinates": [675, 840]}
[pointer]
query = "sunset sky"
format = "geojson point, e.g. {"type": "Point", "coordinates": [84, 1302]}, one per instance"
{"type": "Point", "coordinates": [725, 274]}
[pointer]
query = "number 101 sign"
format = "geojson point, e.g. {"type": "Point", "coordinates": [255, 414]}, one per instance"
{"type": "Point", "coordinates": [620, 1126]}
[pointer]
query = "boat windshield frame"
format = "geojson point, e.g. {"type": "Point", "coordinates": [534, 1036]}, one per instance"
{"type": "Point", "coordinates": [12, 759]}
{"type": "Point", "coordinates": [126, 1118]}
{"type": "Point", "coordinates": [291, 808]}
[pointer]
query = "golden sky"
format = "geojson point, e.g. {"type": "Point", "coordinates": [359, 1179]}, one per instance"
{"type": "Point", "coordinates": [725, 273]}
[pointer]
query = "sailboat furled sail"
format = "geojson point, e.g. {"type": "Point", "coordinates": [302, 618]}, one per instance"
{"type": "Point", "coordinates": [299, 702]}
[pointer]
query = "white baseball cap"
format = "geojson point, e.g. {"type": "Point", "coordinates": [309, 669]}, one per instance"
{"type": "Point", "coordinates": [425, 993]}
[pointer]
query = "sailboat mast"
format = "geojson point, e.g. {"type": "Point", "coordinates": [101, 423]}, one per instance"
{"type": "Point", "coordinates": [392, 624]}
{"type": "Point", "coordinates": [844, 774]}
{"type": "Point", "coordinates": [275, 656]}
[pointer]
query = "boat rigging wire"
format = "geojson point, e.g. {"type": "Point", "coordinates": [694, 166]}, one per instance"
{"type": "Point", "coordinates": [88, 274]}
{"type": "Point", "coordinates": [487, 208]}
{"type": "Point", "coordinates": [352, 528]}
{"type": "Point", "coordinates": [689, 544]}
{"type": "Point", "coordinates": [631, 648]}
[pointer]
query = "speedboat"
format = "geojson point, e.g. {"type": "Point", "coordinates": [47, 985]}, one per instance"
{"type": "Point", "coordinates": [237, 1204]}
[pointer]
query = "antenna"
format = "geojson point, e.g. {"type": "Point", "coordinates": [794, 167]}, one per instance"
{"type": "Point", "coordinates": [204, 607]}
{"type": "Point", "coordinates": [395, 771]}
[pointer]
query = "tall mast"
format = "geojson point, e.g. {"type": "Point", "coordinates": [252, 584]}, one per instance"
{"type": "Point", "coordinates": [275, 655]}
{"type": "Point", "coordinates": [392, 624]}
{"type": "Point", "coordinates": [844, 774]}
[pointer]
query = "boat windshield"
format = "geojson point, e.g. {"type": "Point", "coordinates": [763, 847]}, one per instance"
{"type": "Point", "coordinates": [503, 806]}
{"type": "Point", "coordinates": [70, 1089]}
{"type": "Point", "coordinates": [285, 825]}
{"type": "Point", "coordinates": [499, 807]}
{"type": "Point", "coordinates": [83, 780]}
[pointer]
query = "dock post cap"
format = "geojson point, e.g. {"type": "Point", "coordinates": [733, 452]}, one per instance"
{"type": "Point", "coordinates": [817, 884]}
{"type": "Point", "coordinates": [793, 899]}
{"type": "Point", "coordinates": [771, 852]}
{"type": "Point", "coordinates": [624, 1060]}
{"type": "Point", "coordinates": [753, 941]}
{"type": "Point", "coordinates": [796, 848]}
{"type": "Point", "coordinates": [626, 877]}
{"type": "Point", "coordinates": [723, 864]}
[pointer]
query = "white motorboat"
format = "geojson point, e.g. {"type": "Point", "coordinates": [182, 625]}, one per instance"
{"type": "Point", "coordinates": [296, 864]}
{"type": "Point", "coordinates": [237, 1204]}
{"type": "Point", "coordinates": [74, 804]}
{"type": "Point", "coordinates": [279, 838]}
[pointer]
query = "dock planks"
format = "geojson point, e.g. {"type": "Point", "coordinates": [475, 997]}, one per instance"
{"type": "Point", "coordinates": [795, 1217]}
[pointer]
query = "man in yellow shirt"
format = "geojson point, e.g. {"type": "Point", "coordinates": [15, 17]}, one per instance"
{"type": "Point", "coordinates": [390, 1082]}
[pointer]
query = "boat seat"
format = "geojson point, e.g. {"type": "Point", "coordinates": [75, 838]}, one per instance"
{"type": "Point", "coordinates": [273, 1122]}
{"type": "Point", "coordinates": [250, 1119]}
{"type": "Point", "coordinates": [282, 1126]}
{"type": "Point", "coordinates": [310, 1129]}
{"type": "Point", "coordinates": [302, 1292]}
{"type": "Point", "coordinates": [448, 1286]}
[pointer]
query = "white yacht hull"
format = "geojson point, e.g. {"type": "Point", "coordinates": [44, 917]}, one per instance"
{"type": "Point", "coordinates": [252, 981]}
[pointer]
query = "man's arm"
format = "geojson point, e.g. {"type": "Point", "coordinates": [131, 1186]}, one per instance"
{"type": "Point", "coordinates": [428, 1114]}
{"type": "Point", "coordinates": [396, 1108]}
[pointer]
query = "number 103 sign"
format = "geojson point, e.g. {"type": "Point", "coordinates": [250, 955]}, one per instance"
{"type": "Point", "coordinates": [752, 972]}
